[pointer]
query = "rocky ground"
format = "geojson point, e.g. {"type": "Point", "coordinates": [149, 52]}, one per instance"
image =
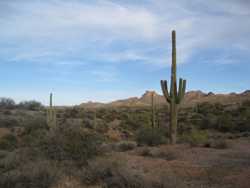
{"type": "Point", "coordinates": [175, 166]}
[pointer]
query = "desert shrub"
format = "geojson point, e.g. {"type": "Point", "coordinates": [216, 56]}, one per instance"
{"type": "Point", "coordinates": [33, 138]}
{"type": "Point", "coordinates": [209, 121]}
{"type": "Point", "coordinates": [72, 112]}
{"type": "Point", "coordinates": [219, 144]}
{"type": "Point", "coordinates": [195, 138]}
{"type": "Point", "coordinates": [110, 115]}
{"type": "Point", "coordinates": [218, 108]}
{"type": "Point", "coordinates": [71, 143]}
{"type": "Point", "coordinates": [129, 124]}
{"type": "Point", "coordinates": [7, 103]}
{"type": "Point", "coordinates": [35, 131]}
{"type": "Point", "coordinates": [206, 107]}
{"type": "Point", "coordinates": [125, 179]}
{"type": "Point", "coordinates": [244, 106]}
{"type": "Point", "coordinates": [225, 123]}
{"type": "Point", "coordinates": [112, 173]}
{"type": "Point", "coordinates": [88, 123]}
{"type": "Point", "coordinates": [8, 122]}
{"type": "Point", "coordinates": [167, 155]}
{"type": "Point", "coordinates": [151, 137]}
{"type": "Point", "coordinates": [145, 151]}
{"type": "Point", "coordinates": [243, 120]}
{"type": "Point", "coordinates": [8, 142]}
{"type": "Point", "coordinates": [135, 120]}
{"type": "Point", "coordinates": [246, 103]}
{"type": "Point", "coordinates": [101, 126]}
{"type": "Point", "coordinates": [245, 134]}
{"type": "Point", "coordinates": [3, 154]}
{"type": "Point", "coordinates": [18, 158]}
{"type": "Point", "coordinates": [243, 126]}
{"type": "Point", "coordinates": [30, 105]}
{"type": "Point", "coordinates": [9, 161]}
{"type": "Point", "coordinates": [34, 124]}
{"type": "Point", "coordinates": [125, 146]}
{"type": "Point", "coordinates": [7, 112]}
{"type": "Point", "coordinates": [41, 174]}
{"type": "Point", "coordinates": [97, 170]}
{"type": "Point", "coordinates": [184, 127]}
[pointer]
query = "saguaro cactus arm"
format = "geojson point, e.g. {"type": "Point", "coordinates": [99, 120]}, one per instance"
{"type": "Point", "coordinates": [181, 90]}
{"type": "Point", "coordinates": [164, 87]}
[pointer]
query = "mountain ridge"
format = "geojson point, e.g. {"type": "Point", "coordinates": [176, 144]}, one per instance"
{"type": "Point", "coordinates": [191, 98]}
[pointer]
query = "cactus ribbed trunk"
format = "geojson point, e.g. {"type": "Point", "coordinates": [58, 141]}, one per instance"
{"type": "Point", "coordinates": [174, 97]}
{"type": "Point", "coordinates": [173, 123]}
{"type": "Point", "coordinates": [173, 107]}
{"type": "Point", "coordinates": [173, 91]}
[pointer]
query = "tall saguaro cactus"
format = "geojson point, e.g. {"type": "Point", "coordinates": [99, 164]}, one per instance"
{"type": "Point", "coordinates": [51, 114]}
{"type": "Point", "coordinates": [174, 97]}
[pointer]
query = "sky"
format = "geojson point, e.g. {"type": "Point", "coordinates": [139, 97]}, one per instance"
{"type": "Point", "coordinates": [104, 50]}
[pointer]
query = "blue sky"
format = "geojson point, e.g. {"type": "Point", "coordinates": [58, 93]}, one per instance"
{"type": "Point", "coordinates": [103, 50]}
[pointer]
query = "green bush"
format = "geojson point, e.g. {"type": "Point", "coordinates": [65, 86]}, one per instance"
{"type": "Point", "coordinates": [135, 120]}
{"type": "Point", "coordinates": [209, 121]}
{"type": "Point", "coordinates": [71, 143]}
{"type": "Point", "coordinates": [195, 138]}
{"type": "Point", "coordinates": [35, 131]}
{"type": "Point", "coordinates": [34, 124]}
{"type": "Point", "coordinates": [33, 175]}
{"type": "Point", "coordinates": [30, 105]}
{"type": "Point", "coordinates": [225, 123]}
{"type": "Point", "coordinates": [151, 137]}
{"type": "Point", "coordinates": [7, 103]}
{"type": "Point", "coordinates": [8, 142]}
{"type": "Point", "coordinates": [219, 144]}
{"type": "Point", "coordinates": [146, 152]}
{"type": "Point", "coordinates": [9, 122]}
{"type": "Point", "coordinates": [207, 107]}
{"type": "Point", "coordinates": [112, 173]}
{"type": "Point", "coordinates": [125, 146]}
{"type": "Point", "coordinates": [101, 126]}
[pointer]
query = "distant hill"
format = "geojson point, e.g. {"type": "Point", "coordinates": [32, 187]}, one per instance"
{"type": "Point", "coordinates": [191, 98]}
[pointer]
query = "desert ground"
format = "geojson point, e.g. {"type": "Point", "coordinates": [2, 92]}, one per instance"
{"type": "Point", "coordinates": [117, 146]}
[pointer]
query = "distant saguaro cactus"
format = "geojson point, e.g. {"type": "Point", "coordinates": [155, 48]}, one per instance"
{"type": "Point", "coordinates": [153, 110]}
{"type": "Point", "coordinates": [174, 97]}
{"type": "Point", "coordinates": [95, 120]}
{"type": "Point", "coordinates": [51, 114]}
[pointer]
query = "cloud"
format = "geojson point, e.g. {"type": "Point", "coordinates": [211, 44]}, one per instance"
{"type": "Point", "coordinates": [38, 31]}
{"type": "Point", "coordinates": [109, 32]}
{"type": "Point", "coordinates": [52, 19]}
{"type": "Point", "coordinates": [105, 76]}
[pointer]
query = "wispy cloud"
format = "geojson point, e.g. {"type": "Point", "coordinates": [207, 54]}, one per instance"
{"type": "Point", "coordinates": [95, 39]}
{"type": "Point", "coordinates": [107, 75]}
{"type": "Point", "coordinates": [44, 29]}
{"type": "Point", "coordinates": [41, 30]}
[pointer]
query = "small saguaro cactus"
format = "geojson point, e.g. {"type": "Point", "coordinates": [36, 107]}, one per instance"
{"type": "Point", "coordinates": [51, 114]}
{"type": "Point", "coordinates": [95, 120]}
{"type": "Point", "coordinates": [174, 97]}
{"type": "Point", "coordinates": [153, 109]}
